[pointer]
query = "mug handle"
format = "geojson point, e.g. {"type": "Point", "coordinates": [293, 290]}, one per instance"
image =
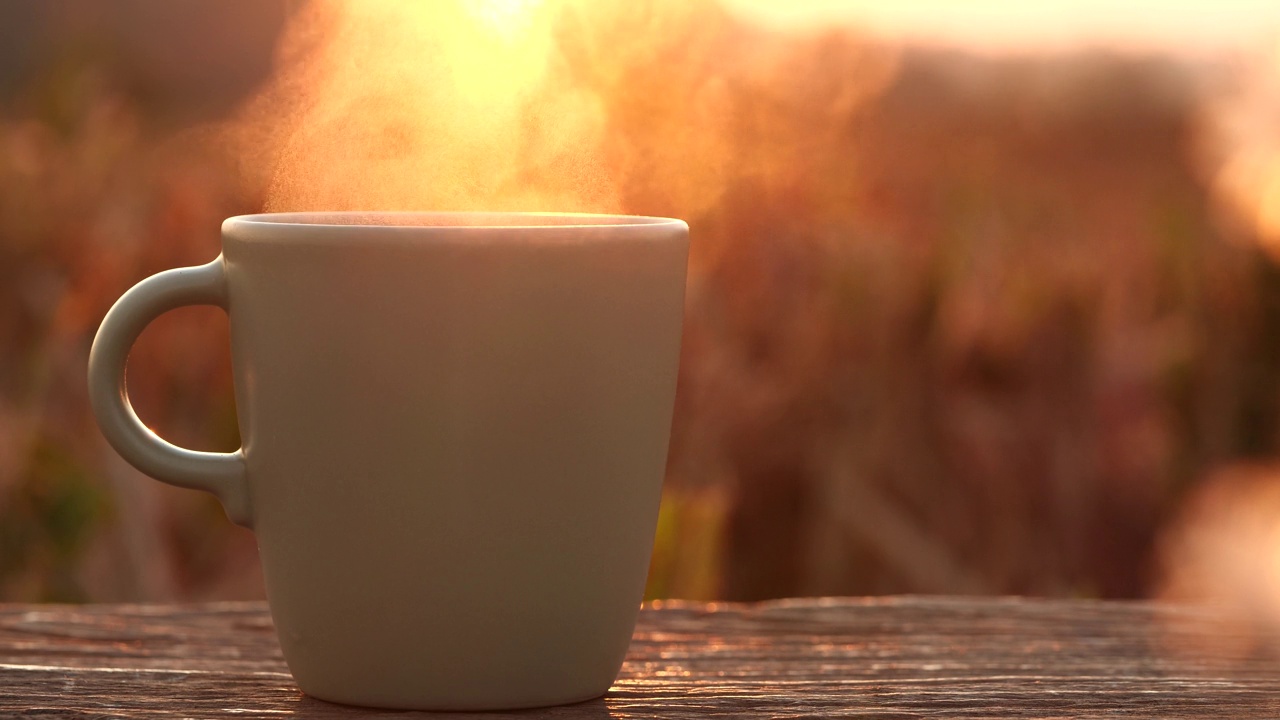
{"type": "Point", "coordinates": [222, 474]}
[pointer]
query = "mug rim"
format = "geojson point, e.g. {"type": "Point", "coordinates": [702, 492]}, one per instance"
{"type": "Point", "coordinates": [451, 221]}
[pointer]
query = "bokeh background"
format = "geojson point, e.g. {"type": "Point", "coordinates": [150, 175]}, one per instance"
{"type": "Point", "coordinates": [983, 297]}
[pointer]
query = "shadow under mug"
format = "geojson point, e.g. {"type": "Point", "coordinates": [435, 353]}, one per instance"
{"type": "Point", "coordinates": [454, 429]}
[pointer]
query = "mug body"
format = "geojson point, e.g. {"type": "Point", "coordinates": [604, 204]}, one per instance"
{"type": "Point", "coordinates": [454, 432]}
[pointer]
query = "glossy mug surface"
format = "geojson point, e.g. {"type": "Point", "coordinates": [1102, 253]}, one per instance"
{"type": "Point", "coordinates": [454, 431]}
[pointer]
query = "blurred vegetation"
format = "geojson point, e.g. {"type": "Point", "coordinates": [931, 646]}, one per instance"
{"type": "Point", "coordinates": [954, 324]}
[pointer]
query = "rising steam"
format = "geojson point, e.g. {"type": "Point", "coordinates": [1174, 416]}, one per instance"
{"type": "Point", "coordinates": [652, 106]}
{"type": "Point", "coordinates": [391, 105]}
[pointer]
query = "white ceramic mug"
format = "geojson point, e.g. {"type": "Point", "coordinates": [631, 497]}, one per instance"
{"type": "Point", "coordinates": [454, 432]}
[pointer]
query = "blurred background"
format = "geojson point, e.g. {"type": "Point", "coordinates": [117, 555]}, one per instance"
{"type": "Point", "coordinates": [983, 296]}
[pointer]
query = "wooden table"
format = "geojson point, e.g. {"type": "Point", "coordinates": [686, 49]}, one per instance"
{"type": "Point", "coordinates": [884, 658]}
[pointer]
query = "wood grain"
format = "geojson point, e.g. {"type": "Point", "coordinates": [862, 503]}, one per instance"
{"type": "Point", "coordinates": [906, 657]}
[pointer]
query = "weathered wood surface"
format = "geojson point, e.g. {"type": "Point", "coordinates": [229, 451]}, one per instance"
{"type": "Point", "coordinates": [883, 658]}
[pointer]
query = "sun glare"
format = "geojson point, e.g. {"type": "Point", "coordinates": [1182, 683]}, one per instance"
{"type": "Point", "coordinates": [507, 17]}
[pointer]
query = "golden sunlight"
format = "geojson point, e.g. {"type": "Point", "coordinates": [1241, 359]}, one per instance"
{"type": "Point", "coordinates": [489, 50]}
{"type": "Point", "coordinates": [1245, 146]}
{"type": "Point", "coordinates": [508, 17]}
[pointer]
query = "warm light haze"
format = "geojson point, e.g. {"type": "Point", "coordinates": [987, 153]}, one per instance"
{"type": "Point", "coordinates": [994, 25]}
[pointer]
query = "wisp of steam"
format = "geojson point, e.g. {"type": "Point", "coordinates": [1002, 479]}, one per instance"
{"type": "Point", "coordinates": [443, 105]}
